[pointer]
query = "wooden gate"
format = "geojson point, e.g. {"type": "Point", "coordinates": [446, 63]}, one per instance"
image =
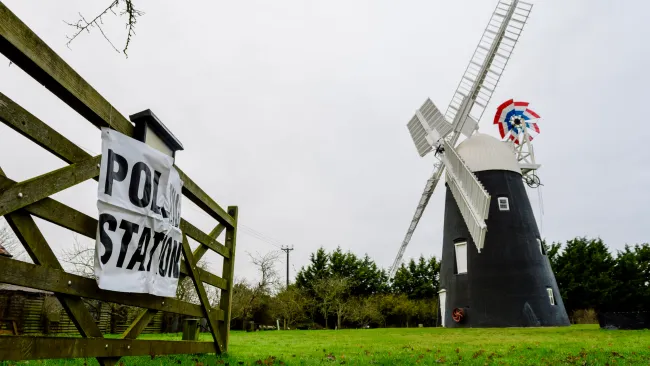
{"type": "Point", "coordinates": [20, 201]}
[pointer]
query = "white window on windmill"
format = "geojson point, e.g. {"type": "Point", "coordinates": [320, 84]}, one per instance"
{"type": "Point", "coordinates": [541, 246]}
{"type": "Point", "coordinates": [550, 295]}
{"type": "Point", "coordinates": [504, 205]}
{"type": "Point", "coordinates": [461, 257]}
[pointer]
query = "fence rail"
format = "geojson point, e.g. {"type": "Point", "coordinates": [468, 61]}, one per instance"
{"type": "Point", "coordinates": [21, 201]}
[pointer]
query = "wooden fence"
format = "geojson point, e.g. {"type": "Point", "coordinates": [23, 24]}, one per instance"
{"type": "Point", "coordinates": [20, 201]}
{"type": "Point", "coordinates": [34, 312]}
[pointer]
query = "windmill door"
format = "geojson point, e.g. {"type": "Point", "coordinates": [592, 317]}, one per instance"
{"type": "Point", "coordinates": [443, 300]}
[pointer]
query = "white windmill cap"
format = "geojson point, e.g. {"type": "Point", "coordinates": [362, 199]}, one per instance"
{"type": "Point", "coordinates": [483, 152]}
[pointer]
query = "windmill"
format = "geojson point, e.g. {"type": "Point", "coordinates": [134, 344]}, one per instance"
{"type": "Point", "coordinates": [494, 271]}
{"type": "Point", "coordinates": [430, 129]}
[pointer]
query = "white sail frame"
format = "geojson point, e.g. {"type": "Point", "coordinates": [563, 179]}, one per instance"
{"type": "Point", "coordinates": [471, 197]}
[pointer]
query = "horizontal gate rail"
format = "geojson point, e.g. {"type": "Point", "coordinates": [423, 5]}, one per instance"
{"type": "Point", "coordinates": [55, 280]}
{"type": "Point", "coordinates": [14, 348]}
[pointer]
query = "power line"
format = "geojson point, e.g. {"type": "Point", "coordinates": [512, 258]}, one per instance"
{"type": "Point", "coordinates": [258, 236]}
{"type": "Point", "coordinates": [261, 236]}
{"type": "Point", "coordinates": [267, 238]}
{"type": "Point", "coordinates": [244, 228]}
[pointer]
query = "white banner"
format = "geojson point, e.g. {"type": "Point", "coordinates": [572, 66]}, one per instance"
{"type": "Point", "coordinates": [139, 242]}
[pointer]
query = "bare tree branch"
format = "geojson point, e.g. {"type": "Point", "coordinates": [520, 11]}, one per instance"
{"type": "Point", "coordinates": [11, 244]}
{"type": "Point", "coordinates": [80, 258]}
{"type": "Point", "coordinates": [130, 11]}
{"type": "Point", "coordinates": [186, 290]}
{"type": "Point", "coordinates": [266, 266]}
{"type": "Point", "coordinates": [133, 13]}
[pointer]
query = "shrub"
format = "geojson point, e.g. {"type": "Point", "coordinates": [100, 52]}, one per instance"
{"type": "Point", "coordinates": [584, 316]}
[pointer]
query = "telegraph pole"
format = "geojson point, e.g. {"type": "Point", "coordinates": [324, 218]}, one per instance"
{"type": "Point", "coordinates": [287, 250]}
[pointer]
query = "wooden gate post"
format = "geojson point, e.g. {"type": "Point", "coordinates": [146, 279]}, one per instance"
{"type": "Point", "coordinates": [228, 274]}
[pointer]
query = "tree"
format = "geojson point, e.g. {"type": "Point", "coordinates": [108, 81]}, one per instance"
{"type": "Point", "coordinates": [583, 272]}
{"type": "Point", "coordinates": [10, 243]}
{"type": "Point", "coordinates": [426, 311]}
{"type": "Point", "coordinates": [6, 241]}
{"type": "Point", "coordinates": [331, 296]}
{"type": "Point", "coordinates": [317, 269]}
{"type": "Point", "coordinates": [552, 252]}
{"type": "Point", "coordinates": [249, 300]}
{"type": "Point", "coordinates": [291, 305]}
{"type": "Point", "coordinates": [364, 283]}
{"type": "Point", "coordinates": [363, 275]}
{"type": "Point", "coordinates": [387, 303]}
{"type": "Point", "coordinates": [418, 280]}
{"type": "Point", "coordinates": [80, 259]}
{"type": "Point", "coordinates": [366, 311]}
{"type": "Point", "coordinates": [244, 300]}
{"type": "Point", "coordinates": [631, 274]}
{"type": "Point", "coordinates": [186, 291]}
{"type": "Point", "coordinates": [404, 309]}
{"type": "Point", "coordinates": [265, 264]}
{"type": "Point", "coordinates": [369, 279]}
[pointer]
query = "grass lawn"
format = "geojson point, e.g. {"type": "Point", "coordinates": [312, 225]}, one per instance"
{"type": "Point", "coordinates": [575, 345]}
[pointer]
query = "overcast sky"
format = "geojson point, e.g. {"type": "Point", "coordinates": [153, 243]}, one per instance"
{"type": "Point", "coordinates": [296, 110]}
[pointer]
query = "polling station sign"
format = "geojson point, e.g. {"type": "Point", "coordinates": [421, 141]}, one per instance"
{"type": "Point", "coordinates": [138, 245]}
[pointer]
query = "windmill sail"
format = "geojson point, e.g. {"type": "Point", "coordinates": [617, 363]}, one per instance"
{"type": "Point", "coordinates": [473, 92]}
{"type": "Point", "coordinates": [426, 195]}
{"type": "Point", "coordinates": [472, 199]}
{"type": "Point", "coordinates": [427, 126]}
{"type": "Point", "coordinates": [489, 59]}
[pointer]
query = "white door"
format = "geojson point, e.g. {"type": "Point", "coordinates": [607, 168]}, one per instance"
{"type": "Point", "coordinates": [443, 299]}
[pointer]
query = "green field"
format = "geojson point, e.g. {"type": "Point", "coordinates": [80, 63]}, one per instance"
{"type": "Point", "coordinates": [575, 345]}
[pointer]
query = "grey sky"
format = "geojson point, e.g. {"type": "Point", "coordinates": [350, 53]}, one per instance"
{"type": "Point", "coordinates": [296, 110]}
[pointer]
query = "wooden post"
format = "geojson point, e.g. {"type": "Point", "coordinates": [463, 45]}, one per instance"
{"type": "Point", "coordinates": [219, 344]}
{"type": "Point", "coordinates": [191, 329]}
{"type": "Point", "coordinates": [228, 274]}
{"type": "Point", "coordinates": [139, 323]}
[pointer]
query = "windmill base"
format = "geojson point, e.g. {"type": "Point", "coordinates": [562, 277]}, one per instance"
{"type": "Point", "coordinates": [510, 283]}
